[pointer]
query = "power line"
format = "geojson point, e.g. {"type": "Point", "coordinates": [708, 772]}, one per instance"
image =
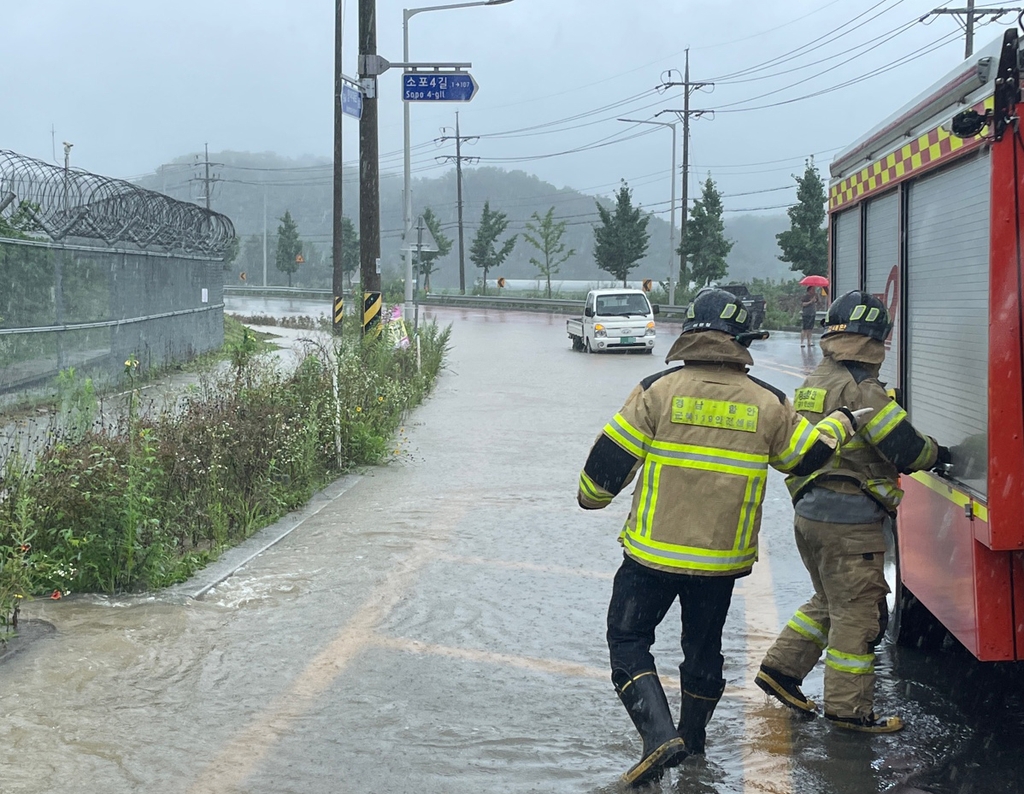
{"type": "Point", "coordinates": [972, 14]}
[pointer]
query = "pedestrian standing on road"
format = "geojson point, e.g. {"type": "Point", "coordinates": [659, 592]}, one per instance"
{"type": "Point", "coordinates": [699, 438]}
{"type": "Point", "coordinates": [808, 312]}
{"type": "Point", "coordinates": [840, 512]}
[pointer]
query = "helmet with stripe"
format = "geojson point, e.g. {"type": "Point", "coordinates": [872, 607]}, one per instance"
{"type": "Point", "coordinates": [857, 312]}
{"type": "Point", "coordinates": [716, 309]}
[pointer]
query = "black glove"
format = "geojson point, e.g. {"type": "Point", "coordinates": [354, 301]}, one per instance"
{"type": "Point", "coordinates": [943, 460]}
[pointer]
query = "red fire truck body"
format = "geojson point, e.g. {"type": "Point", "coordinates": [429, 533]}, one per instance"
{"type": "Point", "coordinates": [926, 211]}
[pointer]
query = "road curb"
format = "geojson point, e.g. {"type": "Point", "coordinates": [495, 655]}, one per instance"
{"type": "Point", "coordinates": [237, 557]}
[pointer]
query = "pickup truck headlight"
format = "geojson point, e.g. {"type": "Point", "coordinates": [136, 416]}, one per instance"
{"type": "Point", "coordinates": [599, 331]}
{"type": "Point", "coordinates": [650, 329]}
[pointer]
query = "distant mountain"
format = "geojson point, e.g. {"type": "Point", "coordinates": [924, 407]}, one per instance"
{"type": "Point", "coordinates": [304, 187]}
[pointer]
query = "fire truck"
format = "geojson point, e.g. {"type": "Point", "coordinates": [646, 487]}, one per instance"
{"type": "Point", "coordinates": [925, 212]}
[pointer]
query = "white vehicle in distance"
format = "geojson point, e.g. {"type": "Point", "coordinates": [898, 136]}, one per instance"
{"type": "Point", "coordinates": [614, 319]}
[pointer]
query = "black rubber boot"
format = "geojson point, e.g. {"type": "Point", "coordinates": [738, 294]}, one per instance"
{"type": "Point", "coordinates": [694, 719]}
{"type": "Point", "coordinates": [868, 724]}
{"type": "Point", "coordinates": [785, 689]}
{"type": "Point", "coordinates": [647, 705]}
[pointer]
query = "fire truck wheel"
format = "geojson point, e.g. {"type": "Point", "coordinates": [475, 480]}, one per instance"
{"type": "Point", "coordinates": [911, 624]}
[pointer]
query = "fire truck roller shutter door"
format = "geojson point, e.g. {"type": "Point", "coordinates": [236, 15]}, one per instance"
{"type": "Point", "coordinates": [947, 309]}
{"type": "Point", "coordinates": [846, 251]}
{"type": "Point", "coordinates": [882, 254]}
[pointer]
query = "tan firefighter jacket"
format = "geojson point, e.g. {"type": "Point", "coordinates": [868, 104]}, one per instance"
{"type": "Point", "coordinates": [886, 445]}
{"type": "Point", "coordinates": [702, 437]}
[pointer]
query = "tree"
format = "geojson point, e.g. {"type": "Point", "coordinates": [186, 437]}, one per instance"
{"type": "Point", "coordinates": [546, 236]}
{"type": "Point", "coordinates": [705, 245]}
{"type": "Point", "coordinates": [482, 252]}
{"type": "Point", "coordinates": [289, 246]}
{"type": "Point", "coordinates": [349, 248]}
{"type": "Point", "coordinates": [620, 242]}
{"type": "Point", "coordinates": [805, 244]}
{"type": "Point", "coordinates": [428, 259]}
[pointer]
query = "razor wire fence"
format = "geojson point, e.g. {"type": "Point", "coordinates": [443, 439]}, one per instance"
{"type": "Point", "coordinates": [95, 270]}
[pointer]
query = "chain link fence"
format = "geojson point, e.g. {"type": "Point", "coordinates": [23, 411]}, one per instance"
{"type": "Point", "coordinates": [95, 270]}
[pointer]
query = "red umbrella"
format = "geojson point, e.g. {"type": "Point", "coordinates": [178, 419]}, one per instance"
{"type": "Point", "coordinates": [814, 281]}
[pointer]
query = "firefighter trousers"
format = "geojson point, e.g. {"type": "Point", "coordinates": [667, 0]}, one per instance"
{"type": "Point", "coordinates": [845, 618]}
{"type": "Point", "coordinates": [642, 596]}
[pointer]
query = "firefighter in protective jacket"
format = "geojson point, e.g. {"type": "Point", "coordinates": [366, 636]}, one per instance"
{"type": "Point", "coordinates": [699, 439]}
{"type": "Point", "coordinates": [840, 512]}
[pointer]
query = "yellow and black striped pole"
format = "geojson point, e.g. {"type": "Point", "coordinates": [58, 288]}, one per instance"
{"type": "Point", "coordinates": [339, 313]}
{"type": "Point", "coordinates": [372, 305]}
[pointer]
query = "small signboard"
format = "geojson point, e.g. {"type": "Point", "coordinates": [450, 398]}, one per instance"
{"type": "Point", "coordinates": [351, 101]}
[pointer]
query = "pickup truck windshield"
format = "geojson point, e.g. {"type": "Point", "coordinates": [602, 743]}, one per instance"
{"type": "Point", "coordinates": [622, 305]}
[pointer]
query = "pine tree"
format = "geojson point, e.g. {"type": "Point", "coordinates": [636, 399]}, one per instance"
{"type": "Point", "coordinates": [805, 244]}
{"type": "Point", "coordinates": [482, 252]}
{"type": "Point", "coordinates": [621, 240]}
{"type": "Point", "coordinates": [428, 259]}
{"type": "Point", "coordinates": [289, 246]}
{"type": "Point", "coordinates": [705, 244]}
{"type": "Point", "coordinates": [546, 236]}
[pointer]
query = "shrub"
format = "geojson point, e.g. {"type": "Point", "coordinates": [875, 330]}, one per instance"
{"type": "Point", "coordinates": [145, 502]}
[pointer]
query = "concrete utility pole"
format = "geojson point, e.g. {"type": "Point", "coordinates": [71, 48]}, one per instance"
{"type": "Point", "coordinates": [970, 16]}
{"type": "Point", "coordinates": [458, 160]}
{"type": "Point", "coordinates": [338, 275]}
{"type": "Point", "coordinates": [264, 234]}
{"type": "Point", "coordinates": [684, 116]}
{"type": "Point", "coordinates": [207, 180]}
{"type": "Point", "coordinates": [369, 174]}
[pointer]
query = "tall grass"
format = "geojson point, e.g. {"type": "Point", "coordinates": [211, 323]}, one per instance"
{"type": "Point", "coordinates": [147, 501]}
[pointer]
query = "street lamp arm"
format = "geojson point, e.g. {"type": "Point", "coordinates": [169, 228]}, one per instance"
{"type": "Point", "coordinates": [411, 12]}
{"type": "Point", "coordinates": [649, 121]}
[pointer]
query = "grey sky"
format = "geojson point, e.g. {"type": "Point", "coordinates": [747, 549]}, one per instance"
{"type": "Point", "coordinates": [134, 83]}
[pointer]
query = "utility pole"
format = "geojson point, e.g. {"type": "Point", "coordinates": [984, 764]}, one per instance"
{"type": "Point", "coordinates": [458, 159]}
{"type": "Point", "coordinates": [337, 247]}
{"type": "Point", "coordinates": [264, 234]}
{"type": "Point", "coordinates": [970, 16]}
{"type": "Point", "coordinates": [207, 180]}
{"type": "Point", "coordinates": [369, 172]}
{"type": "Point", "coordinates": [684, 116]}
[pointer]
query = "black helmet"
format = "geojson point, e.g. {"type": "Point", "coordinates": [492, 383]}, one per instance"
{"type": "Point", "coordinates": [858, 312]}
{"type": "Point", "coordinates": [716, 309]}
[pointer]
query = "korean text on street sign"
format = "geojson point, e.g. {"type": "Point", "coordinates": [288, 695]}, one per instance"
{"type": "Point", "coordinates": [351, 101]}
{"type": "Point", "coordinates": [438, 87]}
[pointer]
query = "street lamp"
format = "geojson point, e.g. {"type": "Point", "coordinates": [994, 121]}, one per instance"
{"type": "Point", "coordinates": [408, 14]}
{"type": "Point", "coordinates": [672, 213]}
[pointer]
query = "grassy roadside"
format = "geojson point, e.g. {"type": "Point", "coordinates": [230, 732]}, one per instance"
{"type": "Point", "coordinates": [145, 503]}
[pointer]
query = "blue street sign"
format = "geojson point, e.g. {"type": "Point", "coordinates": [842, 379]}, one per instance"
{"type": "Point", "coordinates": [351, 101]}
{"type": "Point", "coordinates": [438, 87]}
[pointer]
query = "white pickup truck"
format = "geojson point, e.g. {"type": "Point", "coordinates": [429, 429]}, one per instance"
{"type": "Point", "coordinates": [614, 319]}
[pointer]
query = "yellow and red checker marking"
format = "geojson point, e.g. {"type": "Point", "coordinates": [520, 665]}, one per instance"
{"type": "Point", "coordinates": [930, 148]}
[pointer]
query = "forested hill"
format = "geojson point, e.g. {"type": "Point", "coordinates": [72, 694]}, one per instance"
{"type": "Point", "coordinates": [303, 186]}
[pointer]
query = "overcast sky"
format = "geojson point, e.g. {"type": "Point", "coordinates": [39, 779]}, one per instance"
{"type": "Point", "coordinates": [134, 83]}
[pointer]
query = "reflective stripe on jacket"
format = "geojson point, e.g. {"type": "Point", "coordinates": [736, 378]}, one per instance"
{"type": "Point", "coordinates": [885, 446]}
{"type": "Point", "coordinates": [700, 439]}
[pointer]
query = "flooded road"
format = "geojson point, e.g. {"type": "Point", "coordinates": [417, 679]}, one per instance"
{"type": "Point", "coordinates": [437, 626]}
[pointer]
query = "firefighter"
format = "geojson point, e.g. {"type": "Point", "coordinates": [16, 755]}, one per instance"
{"type": "Point", "coordinates": [840, 512]}
{"type": "Point", "coordinates": [701, 437]}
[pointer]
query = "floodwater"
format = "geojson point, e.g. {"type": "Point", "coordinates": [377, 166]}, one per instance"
{"type": "Point", "coordinates": [437, 625]}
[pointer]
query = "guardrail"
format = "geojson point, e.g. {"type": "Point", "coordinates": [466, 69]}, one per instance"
{"type": "Point", "coordinates": [506, 302]}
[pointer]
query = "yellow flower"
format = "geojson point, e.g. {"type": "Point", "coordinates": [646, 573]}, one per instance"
{"type": "Point", "coordinates": [359, 409]}
{"type": "Point", "coordinates": [380, 399]}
